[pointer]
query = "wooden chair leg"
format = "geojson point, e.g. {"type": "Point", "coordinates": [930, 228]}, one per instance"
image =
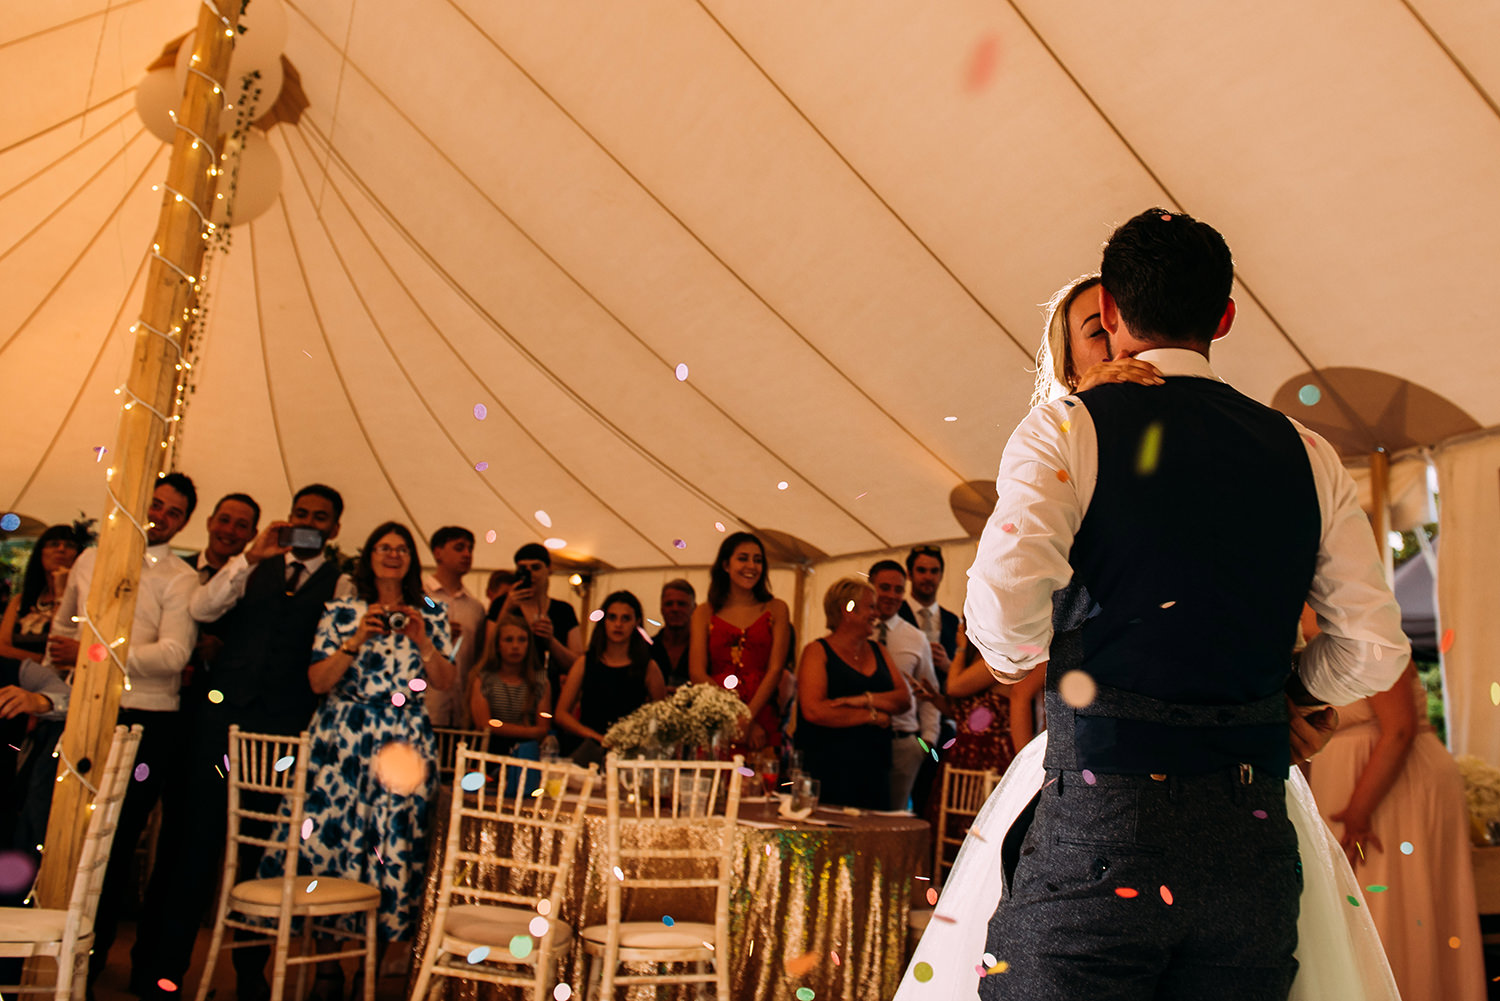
{"type": "Point", "coordinates": [307, 949]}
{"type": "Point", "coordinates": [73, 977]}
{"type": "Point", "coordinates": [215, 943]}
{"type": "Point", "coordinates": [278, 964]}
{"type": "Point", "coordinates": [428, 961]}
{"type": "Point", "coordinates": [371, 928]}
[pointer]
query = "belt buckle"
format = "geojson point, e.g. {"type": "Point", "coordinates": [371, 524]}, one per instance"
{"type": "Point", "coordinates": [1247, 774]}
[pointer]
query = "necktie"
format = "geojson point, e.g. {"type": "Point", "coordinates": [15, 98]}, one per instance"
{"type": "Point", "coordinates": [924, 617]}
{"type": "Point", "coordinates": [885, 631]}
{"type": "Point", "coordinates": [295, 577]}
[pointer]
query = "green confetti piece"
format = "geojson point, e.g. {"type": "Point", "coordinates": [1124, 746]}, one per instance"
{"type": "Point", "coordinates": [1150, 451]}
{"type": "Point", "coordinates": [1376, 888]}
{"type": "Point", "coordinates": [805, 994]}
{"type": "Point", "coordinates": [1351, 900]}
{"type": "Point", "coordinates": [923, 972]}
{"type": "Point", "coordinates": [520, 946]}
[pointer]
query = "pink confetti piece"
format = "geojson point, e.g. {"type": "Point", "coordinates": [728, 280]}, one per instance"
{"type": "Point", "coordinates": [681, 371]}
{"type": "Point", "coordinates": [1259, 814]}
{"type": "Point", "coordinates": [398, 700]}
{"type": "Point", "coordinates": [480, 412]}
{"type": "Point", "coordinates": [99, 451]}
{"type": "Point", "coordinates": [982, 62]}
{"type": "Point", "coordinates": [1089, 778]}
{"type": "Point", "coordinates": [678, 544]}
{"type": "Point", "coordinates": [489, 536]}
{"type": "Point", "coordinates": [1009, 527]}
{"type": "Point", "coordinates": [980, 719]}
{"type": "Point", "coordinates": [98, 652]}
{"type": "Point", "coordinates": [1166, 896]}
{"type": "Point", "coordinates": [481, 466]}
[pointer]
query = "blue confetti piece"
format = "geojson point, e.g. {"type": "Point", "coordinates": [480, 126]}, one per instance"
{"type": "Point", "coordinates": [479, 954]}
{"type": "Point", "coordinates": [1309, 395]}
{"type": "Point", "coordinates": [472, 782]}
{"type": "Point", "coordinates": [10, 522]}
{"type": "Point", "coordinates": [283, 764]}
{"type": "Point", "coordinates": [666, 919]}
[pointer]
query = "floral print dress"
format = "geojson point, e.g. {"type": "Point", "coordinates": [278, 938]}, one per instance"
{"type": "Point", "coordinates": [361, 829]}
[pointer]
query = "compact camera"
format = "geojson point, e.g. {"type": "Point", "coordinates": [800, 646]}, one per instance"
{"type": "Point", "coordinates": [396, 621]}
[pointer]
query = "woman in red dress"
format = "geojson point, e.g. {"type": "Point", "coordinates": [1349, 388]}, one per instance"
{"type": "Point", "coordinates": [739, 636]}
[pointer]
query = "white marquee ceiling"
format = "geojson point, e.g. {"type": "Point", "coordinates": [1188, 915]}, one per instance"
{"type": "Point", "coordinates": [840, 215]}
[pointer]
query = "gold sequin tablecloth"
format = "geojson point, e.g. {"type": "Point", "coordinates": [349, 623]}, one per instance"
{"type": "Point", "coordinates": [831, 901]}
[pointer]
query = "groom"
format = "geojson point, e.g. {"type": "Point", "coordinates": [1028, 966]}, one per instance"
{"type": "Point", "coordinates": [1157, 862]}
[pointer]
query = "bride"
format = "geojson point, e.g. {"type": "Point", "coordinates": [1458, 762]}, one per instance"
{"type": "Point", "coordinates": [1339, 951]}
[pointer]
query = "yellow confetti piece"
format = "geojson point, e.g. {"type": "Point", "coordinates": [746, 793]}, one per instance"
{"type": "Point", "coordinates": [999, 967]}
{"type": "Point", "coordinates": [1150, 451]}
{"type": "Point", "coordinates": [1453, 943]}
{"type": "Point", "coordinates": [922, 972]}
{"type": "Point", "coordinates": [1495, 692]}
{"type": "Point", "coordinates": [1067, 426]}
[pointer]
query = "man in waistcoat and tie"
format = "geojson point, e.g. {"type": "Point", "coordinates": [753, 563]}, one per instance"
{"type": "Point", "coordinates": [924, 571]}
{"type": "Point", "coordinates": [1157, 862]}
{"type": "Point", "coordinates": [265, 604]}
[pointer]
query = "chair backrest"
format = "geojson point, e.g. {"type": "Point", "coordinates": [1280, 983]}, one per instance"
{"type": "Point", "coordinates": [963, 793]}
{"type": "Point", "coordinates": [644, 801]}
{"type": "Point", "coordinates": [275, 765]}
{"type": "Point", "coordinates": [448, 740]}
{"type": "Point", "coordinates": [104, 817]}
{"type": "Point", "coordinates": [543, 813]}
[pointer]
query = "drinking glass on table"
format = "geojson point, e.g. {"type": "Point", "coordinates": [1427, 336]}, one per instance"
{"type": "Point", "coordinates": [769, 768]}
{"type": "Point", "coordinates": [805, 792]}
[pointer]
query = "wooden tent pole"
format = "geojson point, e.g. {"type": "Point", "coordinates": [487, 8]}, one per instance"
{"type": "Point", "coordinates": [148, 400]}
{"type": "Point", "coordinates": [1380, 508]}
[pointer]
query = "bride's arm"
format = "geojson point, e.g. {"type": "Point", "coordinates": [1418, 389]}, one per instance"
{"type": "Point", "coordinates": [1396, 715]}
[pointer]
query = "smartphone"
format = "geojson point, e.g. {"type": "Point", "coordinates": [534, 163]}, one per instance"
{"type": "Point", "coordinates": [303, 538]}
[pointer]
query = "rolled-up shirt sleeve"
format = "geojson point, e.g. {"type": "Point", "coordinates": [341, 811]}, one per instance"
{"type": "Point", "coordinates": [176, 633]}
{"type": "Point", "coordinates": [1046, 478]}
{"type": "Point", "coordinates": [45, 681]}
{"type": "Point", "coordinates": [1361, 649]}
{"type": "Point", "coordinates": [221, 592]}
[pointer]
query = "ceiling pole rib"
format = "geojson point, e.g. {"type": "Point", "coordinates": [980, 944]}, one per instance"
{"type": "Point", "coordinates": [911, 230]}
{"type": "Point", "coordinates": [703, 243]}
{"type": "Point", "coordinates": [536, 362]}
{"type": "Point", "coordinates": [75, 193]}
{"type": "Point", "coordinates": [1458, 63]}
{"type": "Point", "coordinates": [109, 9]}
{"type": "Point", "coordinates": [380, 331]}
{"type": "Point", "coordinates": [265, 364]}
{"type": "Point", "coordinates": [66, 155]}
{"type": "Point", "coordinates": [1332, 391]}
{"type": "Point", "coordinates": [152, 386]}
{"type": "Point", "coordinates": [71, 118]}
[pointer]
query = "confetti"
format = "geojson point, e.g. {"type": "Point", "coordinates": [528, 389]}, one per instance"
{"type": "Point", "coordinates": [1376, 888]}
{"type": "Point", "coordinates": [141, 771]}
{"type": "Point", "coordinates": [667, 920]}
{"type": "Point", "coordinates": [1406, 848]}
{"type": "Point", "coordinates": [1309, 395]}
{"type": "Point", "coordinates": [1453, 943]}
{"type": "Point", "coordinates": [284, 763]}
{"type": "Point", "coordinates": [481, 466]}
{"type": "Point", "coordinates": [480, 412]}
{"type": "Point", "coordinates": [678, 544]}
{"type": "Point", "coordinates": [1447, 643]}
{"type": "Point", "coordinates": [718, 526]}
{"type": "Point", "coordinates": [1089, 778]}
{"type": "Point", "coordinates": [1126, 892]}
{"type": "Point", "coordinates": [849, 607]}
{"type": "Point", "coordinates": [596, 615]}
{"type": "Point", "coordinates": [781, 485]}
{"type": "Point", "coordinates": [215, 696]}
{"type": "Point", "coordinates": [801, 964]}
{"type": "Point", "coordinates": [805, 994]}
{"type": "Point", "coordinates": [98, 652]}
{"type": "Point", "coordinates": [307, 828]}
{"type": "Point", "coordinates": [538, 926]}
{"type": "Point", "coordinates": [1028, 649]}
{"type": "Point", "coordinates": [1259, 814]}
{"type": "Point", "coordinates": [749, 773]}
{"type": "Point", "coordinates": [562, 992]}
{"type": "Point", "coordinates": [544, 518]}
{"type": "Point", "coordinates": [1062, 476]}
{"type": "Point", "coordinates": [1069, 403]}
{"type": "Point", "coordinates": [544, 907]}
{"type": "Point", "coordinates": [399, 768]}
{"type": "Point", "coordinates": [489, 536]}
{"type": "Point", "coordinates": [988, 959]}
{"type": "Point", "coordinates": [681, 371]}
{"type": "Point", "coordinates": [835, 957]}
{"type": "Point", "coordinates": [520, 946]}
{"type": "Point", "coordinates": [1352, 899]}
{"type": "Point", "coordinates": [950, 419]}
{"type": "Point", "coordinates": [932, 897]}
{"type": "Point", "coordinates": [472, 782]}
{"type": "Point", "coordinates": [1009, 527]}
{"type": "Point", "coordinates": [732, 682]}
{"type": "Point", "coordinates": [950, 743]}
{"type": "Point", "coordinates": [398, 700]}
{"type": "Point", "coordinates": [99, 451]}
{"type": "Point", "coordinates": [619, 875]}
{"type": "Point", "coordinates": [1077, 688]}
{"type": "Point", "coordinates": [1166, 218]}
{"type": "Point", "coordinates": [478, 954]}
{"type": "Point", "coordinates": [999, 967]}
{"type": "Point", "coordinates": [417, 685]}
{"type": "Point", "coordinates": [1168, 604]}
{"type": "Point", "coordinates": [982, 60]}
{"type": "Point", "coordinates": [980, 720]}
{"type": "Point", "coordinates": [922, 972]}
{"type": "Point", "coordinates": [311, 886]}
{"type": "Point", "coordinates": [1149, 453]}
{"type": "Point", "coordinates": [555, 543]}
{"type": "Point", "coordinates": [1067, 426]}
{"type": "Point", "coordinates": [10, 522]}
{"type": "Point", "coordinates": [166, 985]}
{"type": "Point", "coordinates": [1166, 896]}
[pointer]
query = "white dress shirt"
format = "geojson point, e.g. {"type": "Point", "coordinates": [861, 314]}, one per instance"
{"type": "Point", "coordinates": [468, 612]}
{"type": "Point", "coordinates": [1023, 553]}
{"type": "Point", "coordinates": [912, 654]}
{"type": "Point", "coordinates": [221, 592]}
{"type": "Point", "coordinates": [933, 627]}
{"type": "Point", "coordinates": [163, 634]}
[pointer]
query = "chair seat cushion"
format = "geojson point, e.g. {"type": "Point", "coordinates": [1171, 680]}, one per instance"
{"type": "Point", "coordinates": [37, 925]}
{"type": "Point", "coordinates": [469, 926]}
{"type": "Point", "coordinates": [655, 935]}
{"type": "Point", "coordinates": [330, 890]}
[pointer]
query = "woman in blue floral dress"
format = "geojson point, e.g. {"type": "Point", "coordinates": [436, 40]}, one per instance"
{"type": "Point", "coordinates": [373, 770]}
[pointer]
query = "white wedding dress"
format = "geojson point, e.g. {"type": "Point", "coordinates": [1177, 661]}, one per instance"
{"type": "Point", "coordinates": [1338, 949]}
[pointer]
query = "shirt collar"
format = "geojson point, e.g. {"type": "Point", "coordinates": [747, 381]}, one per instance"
{"type": "Point", "coordinates": [159, 554]}
{"type": "Point", "coordinates": [1179, 361]}
{"type": "Point", "coordinates": [435, 586]}
{"type": "Point", "coordinates": [932, 609]}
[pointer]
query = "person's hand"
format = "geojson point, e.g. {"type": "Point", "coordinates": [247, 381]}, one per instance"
{"type": "Point", "coordinates": [1311, 729]}
{"type": "Point", "coordinates": [940, 660]}
{"type": "Point", "coordinates": [1120, 370]}
{"type": "Point", "coordinates": [882, 719]}
{"type": "Point", "coordinates": [265, 544]}
{"type": "Point", "coordinates": [17, 701]}
{"type": "Point", "coordinates": [1357, 840]}
{"type": "Point", "coordinates": [373, 624]}
{"type": "Point", "coordinates": [541, 628]}
{"type": "Point", "coordinates": [63, 650]}
{"type": "Point", "coordinates": [416, 626]}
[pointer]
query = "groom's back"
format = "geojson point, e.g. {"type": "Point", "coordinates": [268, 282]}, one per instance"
{"type": "Point", "coordinates": [1198, 545]}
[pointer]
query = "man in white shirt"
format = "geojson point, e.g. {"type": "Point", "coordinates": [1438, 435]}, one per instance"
{"type": "Point", "coordinates": [915, 730]}
{"type": "Point", "coordinates": [161, 640]}
{"type": "Point", "coordinates": [453, 556]}
{"type": "Point", "coordinates": [1198, 521]}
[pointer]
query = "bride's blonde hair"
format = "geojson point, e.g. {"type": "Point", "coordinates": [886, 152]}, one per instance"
{"type": "Point", "coordinates": [1055, 376]}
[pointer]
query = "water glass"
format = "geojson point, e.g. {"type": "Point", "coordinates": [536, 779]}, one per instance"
{"type": "Point", "coordinates": [805, 792]}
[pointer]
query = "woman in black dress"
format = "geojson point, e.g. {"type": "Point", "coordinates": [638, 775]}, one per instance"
{"type": "Point", "coordinates": [846, 695]}
{"type": "Point", "coordinates": [613, 679]}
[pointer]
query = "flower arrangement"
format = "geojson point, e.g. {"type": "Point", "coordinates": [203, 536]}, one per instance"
{"type": "Point", "coordinates": [1481, 789]}
{"type": "Point", "coordinates": [692, 717]}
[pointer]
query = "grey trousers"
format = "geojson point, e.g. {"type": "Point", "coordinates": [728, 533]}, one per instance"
{"type": "Point", "coordinates": [1131, 888]}
{"type": "Point", "coordinates": [906, 760]}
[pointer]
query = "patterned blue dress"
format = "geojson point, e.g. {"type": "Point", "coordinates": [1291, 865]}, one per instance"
{"type": "Point", "coordinates": [360, 829]}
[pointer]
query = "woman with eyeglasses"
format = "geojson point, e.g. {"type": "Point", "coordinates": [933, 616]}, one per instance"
{"type": "Point", "coordinates": [373, 764]}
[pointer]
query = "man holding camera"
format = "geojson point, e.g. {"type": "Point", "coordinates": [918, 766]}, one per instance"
{"type": "Point", "coordinates": [266, 602]}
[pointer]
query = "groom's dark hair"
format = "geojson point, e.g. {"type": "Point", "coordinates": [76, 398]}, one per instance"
{"type": "Point", "coordinates": [1171, 276]}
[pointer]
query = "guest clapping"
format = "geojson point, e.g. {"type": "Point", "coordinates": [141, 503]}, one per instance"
{"type": "Point", "coordinates": [740, 635]}
{"type": "Point", "coordinates": [614, 678]}
{"type": "Point", "coordinates": [846, 695]}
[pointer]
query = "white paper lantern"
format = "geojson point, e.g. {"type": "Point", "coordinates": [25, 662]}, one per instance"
{"type": "Point", "coordinates": [256, 185]}
{"type": "Point", "coordinates": [244, 62]}
{"type": "Point", "coordinates": [156, 98]}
